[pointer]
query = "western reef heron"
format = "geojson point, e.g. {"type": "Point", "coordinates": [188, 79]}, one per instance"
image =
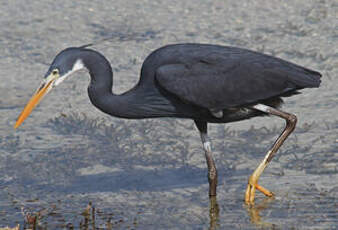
{"type": "Point", "coordinates": [202, 82]}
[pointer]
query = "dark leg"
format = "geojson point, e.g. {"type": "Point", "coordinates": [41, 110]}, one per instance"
{"type": "Point", "coordinates": [212, 172]}
{"type": "Point", "coordinates": [291, 121]}
{"type": "Point", "coordinates": [213, 213]}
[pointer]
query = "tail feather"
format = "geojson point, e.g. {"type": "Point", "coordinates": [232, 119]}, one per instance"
{"type": "Point", "coordinates": [305, 78]}
{"type": "Point", "coordinates": [312, 78]}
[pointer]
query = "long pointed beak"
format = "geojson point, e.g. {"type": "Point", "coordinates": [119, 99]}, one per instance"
{"type": "Point", "coordinates": [44, 88]}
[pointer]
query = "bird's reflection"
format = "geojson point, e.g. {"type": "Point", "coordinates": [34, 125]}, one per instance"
{"type": "Point", "coordinates": [214, 210]}
{"type": "Point", "coordinates": [213, 213]}
{"type": "Point", "coordinates": [254, 213]}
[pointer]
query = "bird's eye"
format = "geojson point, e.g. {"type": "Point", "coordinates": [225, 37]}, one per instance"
{"type": "Point", "coordinates": [55, 71]}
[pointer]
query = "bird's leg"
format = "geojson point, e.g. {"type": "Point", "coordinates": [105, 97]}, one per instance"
{"type": "Point", "coordinates": [212, 172]}
{"type": "Point", "coordinates": [291, 121]}
{"type": "Point", "coordinates": [213, 213]}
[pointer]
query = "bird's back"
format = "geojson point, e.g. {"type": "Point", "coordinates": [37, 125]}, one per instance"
{"type": "Point", "coordinates": [216, 77]}
{"type": "Point", "coordinates": [223, 57]}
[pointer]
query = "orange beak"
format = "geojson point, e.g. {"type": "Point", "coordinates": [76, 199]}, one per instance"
{"type": "Point", "coordinates": [36, 98]}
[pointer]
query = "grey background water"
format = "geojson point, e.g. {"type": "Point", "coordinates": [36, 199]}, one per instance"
{"type": "Point", "coordinates": [151, 174]}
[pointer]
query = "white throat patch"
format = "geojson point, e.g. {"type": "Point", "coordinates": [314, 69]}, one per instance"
{"type": "Point", "coordinates": [78, 65]}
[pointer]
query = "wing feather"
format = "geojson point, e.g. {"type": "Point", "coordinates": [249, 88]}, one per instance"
{"type": "Point", "coordinates": [218, 82]}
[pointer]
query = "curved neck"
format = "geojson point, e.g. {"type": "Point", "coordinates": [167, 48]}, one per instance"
{"type": "Point", "coordinates": [139, 102]}
{"type": "Point", "coordinates": [101, 74]}
{"type": "Point", "coordinates": [101, 83]}
{"type": "Point", "coordinates": [126, 105]}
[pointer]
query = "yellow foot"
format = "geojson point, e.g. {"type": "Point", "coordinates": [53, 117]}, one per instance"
{"type": "Point", "coordinates": [264, 191]}
{"type": "Point", "coordinates": [250, 194]}
{"type": "Point", "coordinates": [251, 189]}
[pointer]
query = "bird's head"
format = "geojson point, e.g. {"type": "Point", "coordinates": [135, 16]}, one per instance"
{"type": "Point", "coordinates": [64, 64]}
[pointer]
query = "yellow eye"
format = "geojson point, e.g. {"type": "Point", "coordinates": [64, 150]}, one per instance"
{"type": "Point", "coordinates": [55, 71]}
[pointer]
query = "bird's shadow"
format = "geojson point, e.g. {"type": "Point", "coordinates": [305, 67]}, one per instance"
{"type": "Point", "coordinates": [137, 179]}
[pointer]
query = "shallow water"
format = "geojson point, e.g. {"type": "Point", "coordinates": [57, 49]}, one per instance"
{"type": "Point", "coordinates": [151, 174]}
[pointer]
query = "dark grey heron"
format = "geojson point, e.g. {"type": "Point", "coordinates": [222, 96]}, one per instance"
{"type": "Point", "coordinates": [206, 83]}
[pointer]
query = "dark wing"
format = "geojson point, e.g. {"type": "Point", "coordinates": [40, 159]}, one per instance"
{"type": "Point", "coordinates": [218, 82]}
